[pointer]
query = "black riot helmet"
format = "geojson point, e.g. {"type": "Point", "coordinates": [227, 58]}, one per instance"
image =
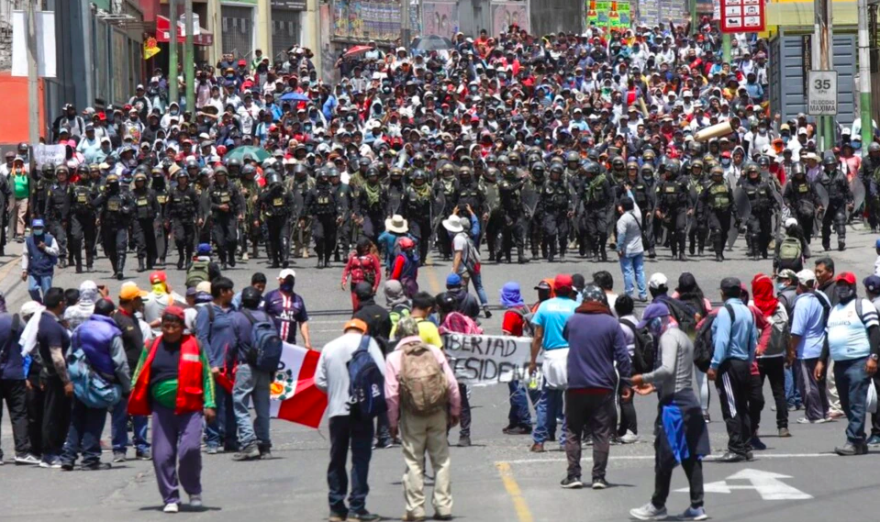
{"type": "Point", "coordinates": [556, 171]}
{"type": "Point", "coordinates": [465, 173]}
{"type": "Point", "coordinates": [234, 164]}
{"type": "Point", "coordinates": [324, 177]}
{"type": "Point", "coordinates": [751, 168]}
{"type": "Point", "coordinates": [300, 170]}
{"type": "Point", "coordinates": [48, 170]}
{"type": "Point", "coordinates": [797, 170]}
{"type": "Point", "coordinates": [593, 169]}
{"type": "Point", "coordinates": [828, 160]}
{"type": "Point", "coordinates": [419, 176]}
{"type": "Point", "coordinates": [716, 173]}
{"type": "Point", "coordinates": [220, 171]}
{"type": "Point", "coordinates": [396, 173]}
{"type": "Point", "coordinates": [874, 149]}
{"type": "Point", "coordinates": [250, 170]}
{"type": "Point", "coordinates": [273, 179]}
{"type": "Point", "coordinates": [572, 158]}
{"type": "Point", "coordinates": [617, 163]}
{"type": "Point", "coordinates": [764, 162]}
{"type": "Point", "coordinates": [697, 168]}
{"type": "Point", "coordinates": [192, 164]}
{"type": "Point", "coordinates": [491, 174]}
{"type": "Point", "coordinates": [538, 170]}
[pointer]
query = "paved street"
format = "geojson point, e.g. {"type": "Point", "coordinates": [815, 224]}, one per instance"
{"type": "Point", "coordinates": [495, 480]}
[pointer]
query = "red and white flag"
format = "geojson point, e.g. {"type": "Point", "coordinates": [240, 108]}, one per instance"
{"type": "Point", "coordinates": [294, 396]}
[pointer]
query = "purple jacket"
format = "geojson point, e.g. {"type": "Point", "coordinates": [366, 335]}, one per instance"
{"type": "Point", "coordinates": [595, 344]}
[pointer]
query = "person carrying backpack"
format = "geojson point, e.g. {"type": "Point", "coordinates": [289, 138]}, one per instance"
{"type": "Point", "coordinates": [406, 267]}
{"type": "Point", "coordinates": [466, 262]}
{"type": "Point", "coordinates": [791, 251]}
{"type": "Point", "coordinates": [452, 320]}
{"type": "Point", "coordinates": [423, 401]}
{"type": "Point", "coordinates": [201, 268]}
{"type": "Point", "coordinates": [640, 345]}
{"type": "Point", "coordinates": [259, 347]}
{"type": "Point", "coordinates": [361, 266]}
{"type": "Point", "coordinates": [396, 302]}
{"type": "Point", "coordinates": [349, 425]}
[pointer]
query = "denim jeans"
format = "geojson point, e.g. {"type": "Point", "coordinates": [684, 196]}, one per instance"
{"type": "Point", "coordinates": [84, 434]}
{"type": "Point", "coordinates": [547, 409]}
{"type": "Point", "coordinates": [119, 430]}
{"type": "Point", "coordinates": [633, 268]}
{"type": "Point", "coordinates": [852, 385]}
{"type": "Point", "coordinates": [38, 286]}
{"type": "Point", "coordinates": [349, 431]}
{"type": "Point", "coordinates": [519, 414]}
{"type": "Point", "coordinates": [252, 386]}
{"type": "Point", "coordinates": [792, 394]}
{"type": "Point", "coordinates": [222, 432]}
{"type": "Point", "coordinates": [477, 279]}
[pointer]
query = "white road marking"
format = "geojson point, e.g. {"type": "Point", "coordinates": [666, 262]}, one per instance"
{"type": "Point", "coordinates": [651, 457]}
{"type": "Point", "coordinates": [767, 483]}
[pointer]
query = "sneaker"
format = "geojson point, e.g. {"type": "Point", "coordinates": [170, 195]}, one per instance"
{"type": "Point", "coordinates": [251, 452]}
{"type": "Point", "coordinates": [395, 443]}
{"type": "Point", "coordinates": [144, 455]}
{"type": "Point", "coordinates": [118, 456]}
{"type": "Point", "coordinates": [804, 420]}
{"type": "Point", "coordinates": [731, 457]}
{"type": "Point", "coordinates": [27, 460]}
{"type": "Point", "coordinates": [694, 513]}
{"type": "Point", "coordinates": [873, 441]}
{"type": "Point", "coordinates": [265, 455]}
{"type": "Point", "coordinates": [600, 483]}
{"type": "Point", "coordinates": [195, 501]}
{"type": "Point", "coordinates": [757, 444]}
{"type": "Point", "coordinates": [171, 508]}
{"type": "Point", "coordinates": [438, 516]}
{"type": "Point", "coordinates": [336, 517]}
{"type": "Point", "coordinates": [648, 512]}
{"type": "Point", "coordinates": [67, 466]}
{"type": "Point", "coordinates": [848, 450]}
{"type": "Point", "coordinates": [537, 447]}
{"type": "Point", "coordinates": [629, 438]}
{"type": "Point", "coordinates": [51, 463]}
{"type": "Point", "coordinates": [464, 442]}
{"type": "Point", "coordinates": [571, 483]}
{"type": "Point", "coordinates": [707, 418]}
{"type": "Point", "coordinates": [98, 466]}
{"type": "Point", "coordinates": [363, 516]}
{"type": "Point", "coordinates": [212, 450]}
{"type": "Point", "coordinates": [517, 430]}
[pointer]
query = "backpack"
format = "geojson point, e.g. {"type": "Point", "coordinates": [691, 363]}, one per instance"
{"type": "Point", "coordinates": [265, 351]}
{"type": "Point", "coordinates": [397, 313]}
{"type": "Point", "coordinates": [683, 315]}
{"type": "Point", "coordinates": [470, 257]}
{"type": "Point", "coordinates": [93, 389]}
{"type": "Point", "coordinates": [704, 346]}
{"type": "Point", "coordinates": [423, 386]}
{"type": "Point", "coordinates": [790, 254]}
{"type": "Point", "coordinates": [644, 353]}
{"type": "Point", "coordinates": [526, 314]}
{"type": "Point", "coordinates": [15, 332]}
{"type": "Point", "coordinates": [197, 273]}
{"type": "Point", "coordinates": [366, 383]}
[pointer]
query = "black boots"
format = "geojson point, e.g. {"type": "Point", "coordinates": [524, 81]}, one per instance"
{"type": "Point", "coordinates": [140, 265]}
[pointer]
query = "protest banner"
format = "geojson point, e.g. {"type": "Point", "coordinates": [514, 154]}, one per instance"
{"type": "Point", "coordinates": [483, 360]}
{"type": "Point", "coordinates": [292, 392]}
{"type": "Point", "coordinates": [52, 154]}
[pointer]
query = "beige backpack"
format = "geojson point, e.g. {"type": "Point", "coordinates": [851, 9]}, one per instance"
{"type": "Point", "coordinates": [422, 381]}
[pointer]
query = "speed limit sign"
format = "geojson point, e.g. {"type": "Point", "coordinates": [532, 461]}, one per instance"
{"type": "Point", "coordinates": [822, 93]}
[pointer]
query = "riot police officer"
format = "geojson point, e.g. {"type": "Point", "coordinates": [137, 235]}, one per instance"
{"type": "Point", "coordinates": [594, 202]}
{"type": "Point", "coordinates": [115, 209]}
{"type": "Point", "coordinates": [558, 206]}
{"type": "Point", "coordinates": [418, 206]}
{"type": "Point", "coordinates": [57, 211]}
{"type": "Point", "coordinates": [673, 205]}
{"type": "Point", "coordinates": [698, 227]}
{"type": "Point", "coordinates": [839, 199]}
{"type": "Point", "coordinates": [717, 201]}
{"type": "Point", "coordinates": [300, 185]}
{"type": "Point", "coordinates": [83, 222]}
{"type": "Point", "coordinates": [869, 176]}
{"type": "Point", "coordinates": [370, 205]}
{"type": "Point", "coordinates": [801, 199]}
{"type": "Point", "coordinates": [763, 204]}
{"type": "Point", "coordinates": [159, 186]}
{"type": "Point", "coordinates": [513, 216]}
{"type": "Point", "coordinates": [276, 204]}
{"type": "Point", "coordinates": [491, 218]}
{"type": "Point", "coordinates": [146, 208]}
{"type": "Point", "coordinates": [448, 185]}
{"type": "Point", "coordinates": [394, 188]}
{"type": "Point", "coordinates": [534, 183]}
{"type": "Point", "coordinates": [346, 203]}
{"type": "Point", "coordinates": [180, 216]}
{"type": "Point", "coordinates": [322, 205]}
{"type": "Point", "coordinates": [41, 189]}
{"type": "Point", "coordinates": [250, 193]}
{"type": "Point", "coordinates": [226, 212]}
{"type": "Point", "coordinates": [203, 191]}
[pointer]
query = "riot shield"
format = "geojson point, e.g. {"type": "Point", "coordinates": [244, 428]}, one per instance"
{"type": "Point", "coordinates": [858, 192]}
{"type": "Point", "coordinates": [743, 205]}
{"type": "Point", "coordinates": [822, 196]}
{"type": "Point", "coordinates": [774, 191]}
{"type": "Point", "coordinates": [530, 199]}
{"type": "Point", "coordinates": [438, 207]}
{"type": "Point", "coordinates": [395, 197]}
{"type": "Point", "coordinates": [493, 199]}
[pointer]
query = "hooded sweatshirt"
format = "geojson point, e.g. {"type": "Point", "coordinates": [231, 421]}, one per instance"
{"type": "Point", "coordinates": [595, 344]}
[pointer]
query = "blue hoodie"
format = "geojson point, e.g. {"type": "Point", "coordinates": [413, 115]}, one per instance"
{"type": "Point", "coordinates": [596, 342]}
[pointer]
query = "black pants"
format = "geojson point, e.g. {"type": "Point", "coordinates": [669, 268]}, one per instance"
{"type": "Point", "coordinates": [628, 419]}
{"type": "Point", "coordinates": [675, 223]}
{"type": "Point", "coordinates": [279, 239]}
{"type": "Point", "coordinates": [719, 226]}
{"type": "Point", "coordinates": [492, 231]}
{"type": "Point", "coordinates": [555, 232]}
{"type": "Point", "coordinates": [773, 369]}
{"type": "Point", "coordinates": [421, 230]}
{"type": "Point", "coordinates": [35, 399]}
{"type": "Point", "coordinates": [598, 415]}
{"type": "Point", "coordinates": [806, 221]}
{"type": "Point", "coordinates": [693, 469]}
{"type": "Point", "coordinates": [465, 411]}
{"type": "Point", "coordinates": [513, 231]}
{"type": "Point", "coordinates": [184, 231]}
{"type": "Point", "coordinates": [56, 417]}
{"type": "Point", "coordinates": [537, 233]}
{"type": "Point", "coordinates": [324, 233]}
{"type": "Point", "coordinates": [373, 225]}
{"type": "Point", "coordinates": [83, 228]}
{"type": "Point", "coordinates": [594, 231]}
{"type": "Point", "coordinates": [349, 431]}
{"type": "Point", "coordinates": [59, 232]}
{"type": "Point", "coordinates": [225, 232]}
{"type": "Point", "coordinates": [835, 214]}
{"type": "Point", "coordinates": [161, 235]}
{"type": "Point", "coordinates": [733, 382]}
{"type": "Point", "coordinates": [14, 393]}
{"type": "Point", "coordinates": [115, 238]}
{"type": "Point", "coordinates": [756, 402]}
{"type": "Point", "coordinates": [759, 232]}
{"type": "Point", "coordinates": [144, 239]}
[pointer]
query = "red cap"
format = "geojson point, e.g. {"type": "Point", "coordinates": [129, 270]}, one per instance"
{"type": "Point", "coordinates": [725, 154]}
{"type": "Point", "coordinates": [242, 62]}
{"type": "Point", "coordinates": [562, 281]}
{"type": "Point", "coordinates": [176, 311]}
{"type": "Point", "coordinates": [846, 277]}
{"type": "Point", "coordinates": [158, 277]}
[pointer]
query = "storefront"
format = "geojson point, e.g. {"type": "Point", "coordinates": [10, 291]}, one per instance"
{"type": "Point", "coordinates": [238, 21]}
{"type": "Point", "coordinates": [287, 22]}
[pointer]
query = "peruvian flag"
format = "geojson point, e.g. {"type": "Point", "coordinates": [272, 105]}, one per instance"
{"type": "Point", "coordinates": [293, 394]}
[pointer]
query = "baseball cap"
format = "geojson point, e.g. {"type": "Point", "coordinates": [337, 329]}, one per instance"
{"type": "Point", "coordinates": [453, 280]}
{"type": "Point", "coordinates": [658, 280]}
{"type": "Point", "coordinates": [877, 244]}
{"type": "Point", "coordinates": [790, 222]}
{"type": "Point", "coordinates": [806, 277]}
{"type": "Point", "coordinates": [730, 283]}
{"type": "Point", "coordinates": [287, 272]}
{"type": "Point", "coordinates": [787, 274]}
{"type": "Point", "coordinates": [357, 324]}
{"type": "Point", "coordinates": [204, 249]}
{"type": "Point", "coordinates": [158, 277]}
{"type": "Point", "coordinates": [130, 291]}
{"type": "Point", "coordinates": [543, 285]}
{"type": "Point", "coordinates": [38, 223]}
{"type": "Point", "coordinates": [176, 311]}
{"type": "Point", "coordinates": [846, 277]}
{"type": "Point", "coordinates": [204, 287]}
{"type": "Point", "coordinates": [872, 283]}
{"type": "Point", "coordinates": [563, 281]}
{"type": "Point", "coordinates": [653, 311]}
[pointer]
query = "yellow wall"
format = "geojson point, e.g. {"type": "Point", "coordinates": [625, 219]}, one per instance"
{"type": "Point", "coordinates": [793, 13]}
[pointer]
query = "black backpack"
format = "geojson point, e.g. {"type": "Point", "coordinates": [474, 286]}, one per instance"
{"type": "Point", "coordinates": [645, 352]}
{"type": "Point", "coordinates": [366, 383]}
{"type": "Point", "coordinates": [704, 345]}
{"type": "Point", "coordinates": [683, 315]}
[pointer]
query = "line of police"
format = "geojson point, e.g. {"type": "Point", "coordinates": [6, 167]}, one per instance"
{"type": "Point", "coordinates": [511, 194]}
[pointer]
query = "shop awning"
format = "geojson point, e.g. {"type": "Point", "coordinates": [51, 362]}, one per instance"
{"type": "Point", "coordinates": [163, 33]}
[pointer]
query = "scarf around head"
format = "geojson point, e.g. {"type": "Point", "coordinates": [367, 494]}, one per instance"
{"type": "Point", "coordinates": [762, 295]}
{"type": "Point", "coordinates": [511, 295]}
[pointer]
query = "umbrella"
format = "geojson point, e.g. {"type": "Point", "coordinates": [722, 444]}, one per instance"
{"type": "Point", "coordinates": [433, 43]}
{"type": "Point", "coordinates": [294, 96]}
{"type": "Point", "coordinates": [239, 153]}
{"type": "Point", "coordinates": [357, 49]}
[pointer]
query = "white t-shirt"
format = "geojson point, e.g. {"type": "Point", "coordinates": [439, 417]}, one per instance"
{"type": "Point", "coordinates": [877, 266]}
{"type": "Point", "coordinates": [848, 333]}
{"type": "Point", "coordinates": [460, 244]}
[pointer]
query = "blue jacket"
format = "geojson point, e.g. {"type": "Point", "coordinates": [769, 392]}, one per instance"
{"type": "Point", "coordinates": [595, 343]}
{"type": "Point", "coordinates": [736, 341]}
{"type": "Point", "coordinates": [12, 365]}
{"type": "Point", "coordinates": [95, 337]}
{"type": "Point", "coordinates": [39, 262]}
{"type": "Point", "coordinates": [217, 338]}
{"type": "Point", "coordinates": [243, 330]}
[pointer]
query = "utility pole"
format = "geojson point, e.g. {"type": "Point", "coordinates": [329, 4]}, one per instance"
{"type": "Point", "coordinates": [865, 75]}
{"type": "Point", "coordinates": [692, 4]}
{"type": "Point", "coordinates": [823, 36]}
{"type": "Point", "coordinates": [404, 25]}
{"type": "Point", "coordinates": [189, 59]}
{"type": "Point", "coordinates": [33, 81]}
{"type": "Point", "coordinates": [725, 46]}
{"type": "Point", "coordinates": [172, 54]}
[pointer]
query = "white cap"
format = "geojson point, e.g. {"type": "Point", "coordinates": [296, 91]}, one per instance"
{"type": "Point", "coordinates": [287, 272]}
{"type": "Point", "coordinates": [790, 222]}
{"type": "Point", "coordinates": [806, 277]}
{"type": "Point", "coordinates": [658, 280]}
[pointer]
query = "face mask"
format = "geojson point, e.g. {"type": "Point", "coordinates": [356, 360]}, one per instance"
{"type": "Point", "coordinates": [780, 287]}
{"type": "Point", "coordinates": [856, 145]}
{"type": "Point", "coordinates": [762, 131]}
{"type": "Point", "coordinates": [38, 232]}
{"type": "Point", "coordinates": [159, 288]}
{"type": "Point", "coordinates": [725, 162]}
{"type": "Point", "coordinates": [286, 286]}
{"type": "Point", "coordinates": [845, 293]}
{"type": "Point", "coordinates": [785, 139]}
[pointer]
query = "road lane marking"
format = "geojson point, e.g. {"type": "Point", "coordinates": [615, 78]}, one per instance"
{"type": "Point", "coordinates": [433, 282]}
{"type": "Point", "coordinates": [651, 457]}
{"type": "Point", "coordinates": [523, 513]}
{"type": "Point", "coordinates": [767, 483]}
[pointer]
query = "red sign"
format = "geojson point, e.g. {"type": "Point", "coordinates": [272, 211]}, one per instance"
{"type": "Point", "coordinates": [742, 16]}
{"type": "Point", "coordinates": [163, 33]}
